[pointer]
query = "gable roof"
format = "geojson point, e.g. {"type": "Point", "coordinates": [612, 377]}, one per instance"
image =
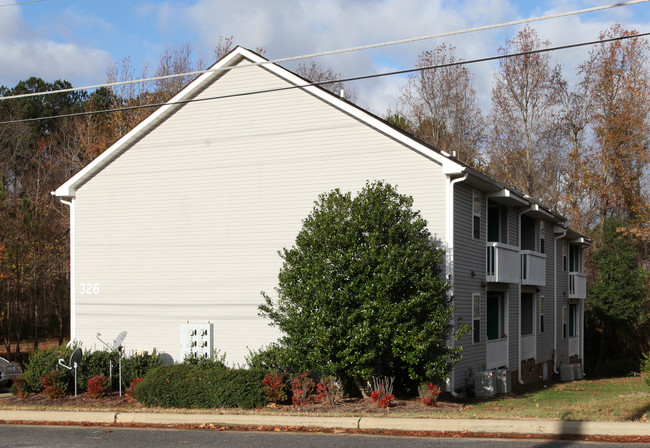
{"type": "Point", "coordinates": [239, 54]}
{"type": "Point", "coordinates": [450, 165]}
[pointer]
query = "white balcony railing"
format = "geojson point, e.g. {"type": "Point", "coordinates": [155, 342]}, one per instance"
{"type": "Point", "coordinates": [496, 353]}
{"type": "Point", "coordinates": [577, 285]}
{"type": "Point", "coordinates": [502, 264]}
{"type": "Point", "coordinates": [574, 346]}
{"type": "Point", "coordinates": [528, 346]}
{"type": "Point", "coordinates": [533, 268]}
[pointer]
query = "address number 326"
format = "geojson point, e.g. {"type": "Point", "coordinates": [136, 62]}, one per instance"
{"type": "Point", "coordinates": [89, 288]}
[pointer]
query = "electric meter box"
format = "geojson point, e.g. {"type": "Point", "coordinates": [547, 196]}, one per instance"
{"type": "Point", "coordinates": [197, 340]}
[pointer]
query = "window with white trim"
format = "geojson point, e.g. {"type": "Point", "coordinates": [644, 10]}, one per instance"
{"type": "Point", "coordinates": [476, 212]}
{"type": "Point", "coordinates": [541, 236]}
{"type": "Point", "coordinates": [565, 263]}
{"type": "Point", "coordinates": [476, 317]}
{"type": "Point", "coordinates": [564, 322]}
{"type": "Point", "coordinates": [541, 314]}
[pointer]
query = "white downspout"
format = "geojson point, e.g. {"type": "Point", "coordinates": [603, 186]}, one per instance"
{"type": "Point", "coordinates": [555, 371]}
{"type": "Point", "coordinates": [450, 262]}
{"type": "Point", "coordinates": [519, 296]}
{"type": "Point", "coordinates": [73, 301]}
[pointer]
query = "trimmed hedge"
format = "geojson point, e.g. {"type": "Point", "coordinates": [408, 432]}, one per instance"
{"type": "Point", "coordinates": [188, 386]}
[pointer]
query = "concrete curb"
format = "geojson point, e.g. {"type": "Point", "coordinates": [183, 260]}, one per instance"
{"type": "Point", "coordinates": [462, 426]}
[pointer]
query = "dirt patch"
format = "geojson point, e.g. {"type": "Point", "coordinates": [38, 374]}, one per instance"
{"type": "Point", "coordinates": [348, 406]}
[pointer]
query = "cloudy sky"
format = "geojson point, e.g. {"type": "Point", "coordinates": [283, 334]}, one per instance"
{"type": "Point", "coordinates": [77, 40]}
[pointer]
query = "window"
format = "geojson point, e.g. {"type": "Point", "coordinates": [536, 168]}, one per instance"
{"type": "Point", "coordinates": [541, 314]}
{"type": "Point", "coordinates": [564, 255]}
{"type": "Point", "coordinates": [527, 313]}
{"type": "Point", "coordinates": [564, 319]}
{"type": "Point", "coordinates": [496, 316]}
{"type": "Point", "coordinates": [476, 317]}
{"type": "Point", "coordinates": [477, 214]}
{"type": "Point", "coordinates": [541, 236]}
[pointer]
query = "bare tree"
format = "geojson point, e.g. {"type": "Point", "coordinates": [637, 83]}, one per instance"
{"type": "Point", "coordinates": [523, 147]}
{"type": "Point", "coordinates": [327, 78]}
{"type": "Point", "coordinates": [440, 103]}
{"type": "Point", "coordinates": [175, 61]}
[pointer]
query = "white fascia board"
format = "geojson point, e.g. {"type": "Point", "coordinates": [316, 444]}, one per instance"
{"type": "Point", "coordinates": [508, 197]}
{"type": "Point", "coordinates": [68, 189]}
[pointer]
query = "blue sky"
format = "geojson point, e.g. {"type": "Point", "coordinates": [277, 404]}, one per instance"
{"type": "Point", "coordinates": [77, 40]}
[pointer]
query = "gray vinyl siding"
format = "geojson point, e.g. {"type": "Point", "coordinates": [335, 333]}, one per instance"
{"type": "Point", "coordinates": [545, 340]}
{"type": "Point", "coordinates": [469, 257]}
{"type": "Point", "coordinates": [185, 225]}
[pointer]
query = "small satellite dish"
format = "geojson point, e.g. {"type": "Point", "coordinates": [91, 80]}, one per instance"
{"type": "Point", "coordinates": [75, 358]}
{"type": "Point", "coordinates": [117, 343]}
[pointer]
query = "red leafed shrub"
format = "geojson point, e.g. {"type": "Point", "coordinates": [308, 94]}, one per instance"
{"type": "Point", "coordinates": [274, 387]}
{"type": "Point", "coordinates": [429, 394]}
{"type": "Point", "coordinates": [129, 391]}
{"type": "Point", "coordinates": [98, 386]}
{"type": "Point", "coordinates": [302, 387]}
{"type": "Point", "coordinates": [55, 383]}
{"type": "Point", "coordinates": [382, 391]}
{"type": "Point", "coordinates": [328, 390]}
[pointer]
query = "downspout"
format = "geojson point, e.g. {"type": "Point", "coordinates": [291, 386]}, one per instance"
{"type": "Point", "coordinates": [519, 296]}
{"type": "Point", "coordinates": [555, 371]}
{"type": "Point", "coordinates": [73, 301]}
{"type": "Point", "coordinates": [450, 263]}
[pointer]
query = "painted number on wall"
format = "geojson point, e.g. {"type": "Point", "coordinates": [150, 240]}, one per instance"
{"type": "Point", "coordinates": [89, 288]}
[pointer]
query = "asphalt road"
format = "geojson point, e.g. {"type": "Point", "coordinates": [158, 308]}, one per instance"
{"type": "Point", "coordinates": [107, 437]}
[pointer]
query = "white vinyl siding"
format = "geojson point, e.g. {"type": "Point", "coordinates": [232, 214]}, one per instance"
{"type": "Point", "coordinates": [186, 224]}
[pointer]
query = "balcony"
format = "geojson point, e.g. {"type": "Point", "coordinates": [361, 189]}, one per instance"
{"type": "Point", "coordinates": [496, 353]}
{"type": "Point", "coordinates": [528, 346]}
{"type": "Point", "coordinates": [574, 346]}
{"type": "Point", "coordinates": [577, 285]}
{"type": "Point", "coordinates": [533, 268]}
{"type": "Point", "coordinates": [502, 263]}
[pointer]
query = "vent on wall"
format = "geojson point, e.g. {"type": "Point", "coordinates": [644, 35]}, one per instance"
{"type": "Point", "coordinates": [196, 340]}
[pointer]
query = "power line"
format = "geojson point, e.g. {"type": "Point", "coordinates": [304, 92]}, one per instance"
{"type": "Point", "coordinates": [334, 52]}
{"type": "Point", "coordinates": [349, 79]}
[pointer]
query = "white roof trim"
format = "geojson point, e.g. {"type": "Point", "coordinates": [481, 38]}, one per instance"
{"type": "Point", "coordinates": [68, 189]}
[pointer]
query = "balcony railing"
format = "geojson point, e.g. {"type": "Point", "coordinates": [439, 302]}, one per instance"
{"type": "Point", "coordinates": [533, 268]}
{"type": "Point", "coordinates": [528, 346]}
{"type": "Point", "coordinates": [574, 346]}
{"type": "Point", "coordinates": [502, 263]}
{"type": "Point", "coordinates": [496, 353]}
{"type": "Point", "coordinates": [577, 285]}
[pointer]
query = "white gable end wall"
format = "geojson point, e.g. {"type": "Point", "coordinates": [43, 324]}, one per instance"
{"type": "Point", "coordinates": [186, 224]}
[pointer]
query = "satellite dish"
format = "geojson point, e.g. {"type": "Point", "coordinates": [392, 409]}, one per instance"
{"type": "Point", "coordinates": [117, 343]}
{"type": "Point", "coordinates": [75, 358]}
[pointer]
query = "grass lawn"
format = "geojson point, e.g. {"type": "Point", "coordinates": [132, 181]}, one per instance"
{"type": "Point", "coordinates": [612, 399]}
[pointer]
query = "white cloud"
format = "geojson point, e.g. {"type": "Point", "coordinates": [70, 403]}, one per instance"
{"type": "Point", "coordinates": [24, 54]}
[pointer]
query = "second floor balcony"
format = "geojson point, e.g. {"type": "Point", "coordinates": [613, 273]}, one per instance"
{"type": "Point", "coordinates": [502, 264]}
{"type": "Point", "coordinates": [577, 285]}
{"type": "Point", "coordinates": [533, 268]}
{"type": "Point", "coordinates": [507, 264]}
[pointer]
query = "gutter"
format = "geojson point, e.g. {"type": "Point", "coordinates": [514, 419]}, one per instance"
{"type": "Point", "coordinates": [531, 207]}
{"type": "Point", "coordinates": [450, 264]}
{"type": "Point", "coordinates": [73, 279]}
{"type": "Point", "coordinates": [555, 371]}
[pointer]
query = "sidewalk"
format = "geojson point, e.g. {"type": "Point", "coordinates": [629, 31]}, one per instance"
{"type": "Point", "coordinates": [538, 428]}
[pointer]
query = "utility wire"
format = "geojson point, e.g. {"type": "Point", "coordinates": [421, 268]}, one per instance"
{"type": "Point", "coordinates": [333, 52]}
{"type": "Point", "coordinates": [320, 83]}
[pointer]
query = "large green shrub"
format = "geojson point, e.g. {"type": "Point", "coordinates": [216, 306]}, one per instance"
{"type": "Point", "coordinates": [361, 293]}
{"type": "Point", "coordinates": [188, 386]}
{"type": "Point", "coordinates": [39, 364]}
{"type": "Point", "coordinates": [138, 365]}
